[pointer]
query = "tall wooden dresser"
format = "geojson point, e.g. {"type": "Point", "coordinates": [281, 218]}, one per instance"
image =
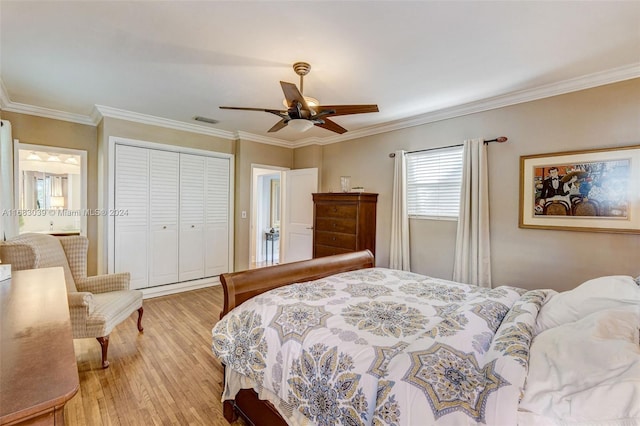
{"type": "Point", "coordinates": [344, 222]}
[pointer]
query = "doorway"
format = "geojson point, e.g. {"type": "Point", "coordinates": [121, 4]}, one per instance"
{"type": "Point", "coordinates": [265, 215]}
{"type": "Point", "coordinates": [50, 189]}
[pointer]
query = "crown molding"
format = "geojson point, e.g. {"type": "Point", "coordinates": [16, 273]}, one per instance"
{"type": "Point", "coordinates": [614, 75]}
{"type": "Point", "coordinates": [263, 139]}
{"type": "Point", "coordinates": [8, 105]}
{"type": "Point", "coordinates": [121, 114]}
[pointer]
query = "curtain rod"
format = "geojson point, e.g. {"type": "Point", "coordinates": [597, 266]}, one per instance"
{"type": "Point", "coordinates": [499, 139]}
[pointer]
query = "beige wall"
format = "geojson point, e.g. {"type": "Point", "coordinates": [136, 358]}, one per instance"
{"type": "Point", "coordinates": [248, 153]}
{"type": "Point", "coordinates": [308, 157]}
{"type": "Point", "coordinates": [606, 116]}
{"type": "Point", "coordinates": [63, 134]}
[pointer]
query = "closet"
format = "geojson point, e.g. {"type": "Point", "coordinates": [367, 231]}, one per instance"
{"type": "Point", "coordinates": [176, 222]}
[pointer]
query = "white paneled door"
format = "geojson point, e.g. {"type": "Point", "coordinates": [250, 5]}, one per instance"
{"type": "Point", "coordinates": [192, 215]}
{"type": "Point", "coordinates": [163, 217]}
{"type": "Point", "coordinates": [216, 239]}
{"type": "Point", "coordinates": [297, 214]}
{"type": "Point", "coordinates": [131, 231]}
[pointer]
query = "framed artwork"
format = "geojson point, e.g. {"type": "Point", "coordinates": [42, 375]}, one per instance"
{"type": "Point", "coordinates": [594, 190]}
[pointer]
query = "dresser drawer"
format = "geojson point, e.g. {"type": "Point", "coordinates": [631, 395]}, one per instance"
{"type": "Point", "coordinates": [346, 226]}
{"type": "Point", "coordinates": [321, 251]}
{"type": "Point", "coordinates": [336, 210]}
{"type": "Point", "coordinates": [334, 239]}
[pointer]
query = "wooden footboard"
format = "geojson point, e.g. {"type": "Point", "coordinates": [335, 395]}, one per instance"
{"type": "Point", "coordinates": [241, 286]}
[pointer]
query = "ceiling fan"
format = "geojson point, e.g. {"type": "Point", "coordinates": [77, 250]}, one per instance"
{"type": "Point", "coordinates": [304, 112]}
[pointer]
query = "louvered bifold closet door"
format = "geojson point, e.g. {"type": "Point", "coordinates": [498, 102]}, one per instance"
{"type": "Point", "coordinates": [131, 236]}
{"type": "Point", "coordinates": [217, 216]}
{"type": "Point", "coordinates": [163, 217]}
{"type": "Point", "coordinates": [192, 203]}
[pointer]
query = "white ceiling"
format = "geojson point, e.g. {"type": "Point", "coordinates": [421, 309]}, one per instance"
{"type": "Point", "coordinates": [178, 59]}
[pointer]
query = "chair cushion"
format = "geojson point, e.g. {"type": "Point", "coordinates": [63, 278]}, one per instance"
{"type": "Point", "coordinates": [111, 309]}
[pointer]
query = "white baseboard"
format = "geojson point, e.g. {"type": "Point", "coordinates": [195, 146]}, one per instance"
{"type": "Point", "coordinates": [164, 290]}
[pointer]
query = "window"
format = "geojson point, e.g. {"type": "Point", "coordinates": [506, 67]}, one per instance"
{"type": "Point", "coordinates": [434, 178]}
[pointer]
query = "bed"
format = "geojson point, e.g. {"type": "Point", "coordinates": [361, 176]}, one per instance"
{"type": "Point", "coordinates": [335, 340]}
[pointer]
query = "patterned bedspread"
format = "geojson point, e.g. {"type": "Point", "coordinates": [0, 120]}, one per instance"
{"type": "Point", "coordinates": [382, 347]}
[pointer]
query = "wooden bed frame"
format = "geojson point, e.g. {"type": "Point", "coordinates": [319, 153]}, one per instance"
{"type": "Point", "coordinates": [241, 286]}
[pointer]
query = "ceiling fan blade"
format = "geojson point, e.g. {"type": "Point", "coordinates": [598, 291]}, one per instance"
{"type": "Point", "coordinates": [291, 94]}
{"type": "Point", "coordinates": [334, 110]}
{"type": "Point", "coordinates": [279, 125]}
{"type": "Point", "coordinates": [331, 125]}
{"type": "Point", "coordinates": [279, 113]}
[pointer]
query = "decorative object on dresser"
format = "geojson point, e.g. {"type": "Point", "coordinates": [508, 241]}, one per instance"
{"type": "Point", "coordinates": [344, 222]}
{"type": "Point", "coordinates": [97, 304]}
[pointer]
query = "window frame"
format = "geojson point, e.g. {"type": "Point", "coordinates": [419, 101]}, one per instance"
{"type": "Point", "coordinates": [455, 153]}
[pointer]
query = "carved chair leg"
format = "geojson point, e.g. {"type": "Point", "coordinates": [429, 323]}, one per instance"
{"type": "Point", "coordinates": [104, 342]}
{"type": "Point", "coordinates": [140, 312]}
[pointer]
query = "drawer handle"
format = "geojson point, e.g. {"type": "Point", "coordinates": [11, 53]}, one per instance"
{"type": "Point", "coordinates": [193, 226]}
{"type": "Point", "coordinates": [164, 227]}
{"type": "Point", "coordinates": [335, 209]}
{"type": "Point", "coordinates": [334, 238]}
{"type": "Point", "coordinates": [334, 225]}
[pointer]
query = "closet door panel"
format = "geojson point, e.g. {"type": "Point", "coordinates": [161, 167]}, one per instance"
{"type": "Point", "coordinates": [131, 234]}
{"type": "Point", "coordinates": [192, 217]}
{"type": "Point", "coordinates": [216, 249]}
{"type": "Point", "coordinates": [163, 217]}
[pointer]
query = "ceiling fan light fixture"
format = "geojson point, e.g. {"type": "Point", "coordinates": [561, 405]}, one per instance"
{"type": "Point", "coordinates": [300, 125]}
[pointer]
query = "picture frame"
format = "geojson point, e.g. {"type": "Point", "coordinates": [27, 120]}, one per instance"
{"type": "Point", "coordinates": [595, 190]}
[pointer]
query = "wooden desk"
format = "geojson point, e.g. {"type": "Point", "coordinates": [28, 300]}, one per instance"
{"type": "Point", "coordinates": [38, 372]}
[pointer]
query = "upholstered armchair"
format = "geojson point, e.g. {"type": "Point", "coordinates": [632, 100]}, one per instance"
{"type": "Point", "coordinates": [96, 304]}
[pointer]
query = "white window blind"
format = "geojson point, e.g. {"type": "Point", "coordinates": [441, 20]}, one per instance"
{"type": "Point", "coordinates": [434, 178]}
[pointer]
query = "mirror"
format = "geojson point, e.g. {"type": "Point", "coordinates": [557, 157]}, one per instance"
{"type": "Point", "coordinates": [275, 203]}
{"type": "Point", "coordinates": [50, 188]}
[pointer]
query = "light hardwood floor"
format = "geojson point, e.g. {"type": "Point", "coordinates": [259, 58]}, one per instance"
{"type": "Point", "coordinates": [166, 375]}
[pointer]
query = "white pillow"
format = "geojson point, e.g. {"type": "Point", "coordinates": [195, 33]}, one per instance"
{"type": "Point", "coordinates": [589, 297]}
{"type": "Point", "coordinates": [588, 370]}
